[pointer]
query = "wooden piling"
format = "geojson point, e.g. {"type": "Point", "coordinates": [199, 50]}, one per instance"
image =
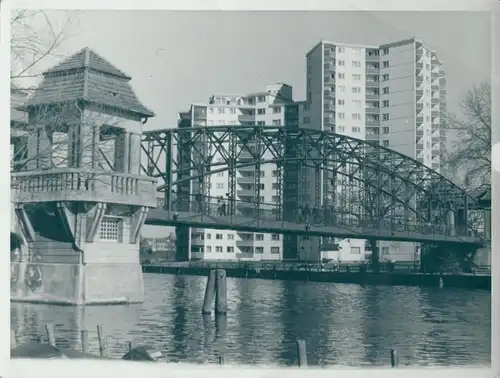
{"type": "Point", "coordinates": [85, 341]}
{"type": "Point", "coordinates": [209, 293]}
{"type": "Point", "coordinates": [103, 341]}
{"type": "Point", "coordinates": [49, 329]}
{"type": "Point", "coordinates": [221, 360]}
{"type": "Point", "coordinates": [394, 358]}
{"type": "Point", "coordinates": [221, 293]}
{"type": "Point", "coordinates": [301, 353]}
{"type": "Point", "coordinates": [13, 341]}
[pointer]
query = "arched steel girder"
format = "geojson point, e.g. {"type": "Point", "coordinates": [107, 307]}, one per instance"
{"type": "Point", "coordinates": [393, 196]}
{"type": "Point", "coordinates": [305, 144]}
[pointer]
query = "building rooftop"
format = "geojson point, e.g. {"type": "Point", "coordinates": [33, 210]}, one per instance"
{"type": "Point", "coordinates": [86, 76]}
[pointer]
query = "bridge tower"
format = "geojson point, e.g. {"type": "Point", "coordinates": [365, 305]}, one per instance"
{"type": "Point", "coordinates": [79, 198]}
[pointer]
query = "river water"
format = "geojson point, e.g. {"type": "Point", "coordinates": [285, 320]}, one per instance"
{"type": "Point", "coordinates": [343, 325]}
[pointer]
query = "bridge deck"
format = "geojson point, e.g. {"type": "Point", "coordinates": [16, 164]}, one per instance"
{"type": "Point", "coordinates": [163, 217]}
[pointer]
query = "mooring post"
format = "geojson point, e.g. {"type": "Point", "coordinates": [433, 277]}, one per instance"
{"type": "Point", "coordinates": [13, 341]}
{"type": "Point", "coordinates": [221, 293]}
{"type": "Point", "coordinates": [394, 358]}
{"type": "Point", "coordinates": [209, 293]}
{"type": "Point", "coordinates": [301, 353]}
{"type": "Point", "coordinates": [103, 342]}
{"type": "Point", "coordinates": [85, 341]}
{"type": "Point", "coordinates": [49, 328]}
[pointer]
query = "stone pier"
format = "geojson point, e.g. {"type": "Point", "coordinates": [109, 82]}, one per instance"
{"type": "Point", "coordinates": [79, 198]}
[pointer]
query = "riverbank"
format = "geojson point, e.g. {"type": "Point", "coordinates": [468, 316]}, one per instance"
{"type": "Point", "coordinates": [469, 281]}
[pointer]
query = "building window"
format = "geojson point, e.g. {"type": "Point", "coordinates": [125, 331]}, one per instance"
{"type": "Point", "coordinates": [356, 76]}
{"type": "Point", "coordinates": [275, 185]}
{"type": "Point", "coordinates": [356, 129]}
{"type": "Point", "coordinates": [355, 250]}
{"type": "Point", "coordinates": [230, 249]}
{"type": "Point", "coordinates": [218, 249]}
{"type": "Point", "coordinates": [341, 129]}
{"type": "Point", "coordinates": [276, 122]}
{"type": "Point", "coordinates": [357, 103]}
{"type": "Point", "coordinates": [261, 111]}
{"type": "Point", "coordinates": [218, 236]}
{"type": "Point", "coordinates": [341, 88]}
{"type": "Point", "coordinates": [356, 116]}
{"type": "Point", "coordinates": [306, 119]}
{"type": "Point", "coordinates": [274, 198]}
{"type": "Point", "coordinates": [385, 64]}
{"type": "Point", "coordinates": [221, 110]}
{"type": "Point", "coordinates": [385, 90]}
{"type": "Point", "coordinates": [341, 49]}
{"type": "Point", "coordinates": [261, 123]}
{"type": "Point", "coordinates": [276, 110]}
{"type": "Point", "coordinates": [209, 236]}
{"type": "Point", "coordinates": [341, 75]}
{"type": "Point", "coordinates": [261, 98]}
{"type": "Point", "coordinates": [275, 250]}
{"type": "Point", "coordinates": [356, 63]}
{"type": "Point", "coordinates": [385, 130]}
{"type": "Point", "coordinates": [341, 62]}
{"type": "Point", "coordinates": [385, 117]}
{"type": "Point", "coordinates": [110, 229]}
{"type": "Point", "coordinates": [220, 174]}
{"type": "Point", "coordinates": [211, 110]}
{"type": "Point", "coordinates": [341, 115]}
{"type": "Point", "coordinates": [230, 236]}
{"type": "Point", "coordinates": [385, 103]}
{"type": "Point", "coordinates": [356, 90]}
{"type": "Point", "coordinates": [259, 249]}
{"type": "Point", "coordinates": [275, 237]}
{"type": "Point", "coordinates": [384, 52]}
{"type": "Point", "coordinates": [306, 106]}
{"type": "Point", "coordinates": [385, 143]}
{"type": "Point", "coordinates": [259, 237]}
{"type": "Point", "coordinates": [232, 110]}
{"type": "Point", "coordinates": [220, 185]}
{"type": "Point", "coordinates": [385, 77]}
{"type": "Point", "coordinates": [341, 102]}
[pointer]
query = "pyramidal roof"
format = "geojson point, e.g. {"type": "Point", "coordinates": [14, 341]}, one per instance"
{"type": "Point", "coordinates": [87, 76]}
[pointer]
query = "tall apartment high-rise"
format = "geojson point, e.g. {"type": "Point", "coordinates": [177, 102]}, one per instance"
{"type": "Point", "coordinates": [272, 107]}
{"type": "Point", "coordinates": [392, 93]}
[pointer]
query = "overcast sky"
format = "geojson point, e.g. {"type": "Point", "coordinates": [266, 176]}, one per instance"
{"type": "Point", "coordinates": [176, 58]}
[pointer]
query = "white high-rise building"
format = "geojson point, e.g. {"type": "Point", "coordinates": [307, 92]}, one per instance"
{"type": "Point", "coordinates": [392, 93]}
{"type": "Point", "coordinates": [268, 107]}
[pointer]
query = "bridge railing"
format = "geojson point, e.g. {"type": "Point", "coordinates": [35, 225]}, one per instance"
{"type": "Point", "coordinates": [74, 184]}
{"type": "Point", "coordinates": [326, 216]}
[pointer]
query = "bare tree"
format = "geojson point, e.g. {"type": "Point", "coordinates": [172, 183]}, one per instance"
{"type": "Point", "coordinates": [471, 154]}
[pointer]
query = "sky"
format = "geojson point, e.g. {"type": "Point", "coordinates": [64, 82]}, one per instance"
{"type": "Point", "coordinates": [176, 58]}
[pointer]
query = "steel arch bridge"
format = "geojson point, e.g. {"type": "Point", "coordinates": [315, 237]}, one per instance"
{"type": "Point", "coordinates": [323, 184]}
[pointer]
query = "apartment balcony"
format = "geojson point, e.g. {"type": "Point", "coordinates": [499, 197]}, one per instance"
{"type": "Point", "coordinates": [372, 122]}
{"type": "Point", "coordinates": [419, 79]}
{"type": "Point", "coordinates": [329, 67]}
{"type": "Point", "coordinates": [329, 108]}
{"type": "Point", "coordinates": [248, 168]}
{"type": "Point", "coordinates": [435, 75]}
{"type": "Point", "coordinates": [329, 94]}
{"type": "Point", "coordinates": [419, 147]}
{"type": "Point", "coordinates": [372, 57]}
{"type": "Point", "coordinates": [245, 192]}
{"type": "Point", "coordinates": [419, 65]}
{"type": "Point", "coordinates": [74, 184]}
{"type": "Point", "coordinates": [329, 80]}
{"type": "Point", "coordinates": [419, 120]}
{"type": "Point", "coordinates": [372, 83]}
{"type": "Point", "coordinates": [372, 96]}
{"type": "Point", "coordinates": [246, 118]}
{"type": "Point", "coordinates": [435, 113]}
{"type": "Point", "coordinates": [372, 69]}
{"type": "Point", "coordinates": [329, 121]}
{"type": "Point", "coordinates": [246, 180]}
{"type": "Point", "coordinates": [419, 134]}
{"type": "Point", "coordinates": [419, 93]}
{"type": "Point", "coordinates": [372, 137]}
{"type": "Point", "coordinates": [245, 241]}
{"type": "Point", "coordinates": [419, 106]}
{"type": "Point", "coordinates": [419, 53]}
{"type": "Point", "coordinates": [435, 101]}
{"type": "Point", "coordinates": [372, 110]}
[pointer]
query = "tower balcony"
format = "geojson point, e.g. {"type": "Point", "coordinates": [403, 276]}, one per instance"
{"type": "Point", "coordinates": [80, 185]}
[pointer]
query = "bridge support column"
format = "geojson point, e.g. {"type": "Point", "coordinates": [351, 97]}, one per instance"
{"type": "Point", "coordinates": [78, 255]}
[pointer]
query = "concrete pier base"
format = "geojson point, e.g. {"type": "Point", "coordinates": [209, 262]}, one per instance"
{"type": "Point", "coordinates": [76, 284]}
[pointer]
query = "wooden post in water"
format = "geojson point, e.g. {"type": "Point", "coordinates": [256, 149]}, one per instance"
{"type": "Point", "coordinates": [13, 341]}
{"type": "Point", "coordinates": [85, 341]}
{"type": "Point", "coordinates": [49, 328]}
{"type": "Point", "coordinates": [394, 358]}
{"type": "Point", "coordinates": [209, 293]}
{"type": "Point", "coordinates": [221, 293]}
{"type": "Point", "coordinates": [103, 342]}
{"type": "Point", "coordinates": [301, 353]}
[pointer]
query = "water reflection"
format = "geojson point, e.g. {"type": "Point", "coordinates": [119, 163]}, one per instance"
{"type": "Point", "coordinates": [342, 324]}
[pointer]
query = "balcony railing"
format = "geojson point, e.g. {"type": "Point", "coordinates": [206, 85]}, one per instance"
{"type": "Point", "coordinates": [74, 184]}
{"type": "Point", "coordinates": [372, 96]}
{"type": "Point", "coordinates": [372, 83]}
